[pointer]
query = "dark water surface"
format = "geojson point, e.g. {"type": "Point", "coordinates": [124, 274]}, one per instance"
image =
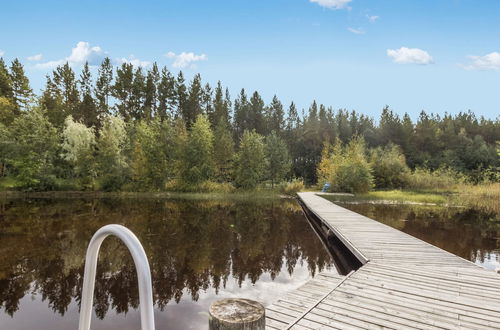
{"type": "Point", "coordinates": [469, 233]}
{"type": "Point", "coordinates": [199, 251]}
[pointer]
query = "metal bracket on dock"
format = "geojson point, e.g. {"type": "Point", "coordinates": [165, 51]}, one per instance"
{"type": "Point", "coordinates": [141, 266]}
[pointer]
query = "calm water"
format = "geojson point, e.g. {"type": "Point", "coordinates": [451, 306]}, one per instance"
{"type": "Point", "coordinates": [468, 233]}
{"type": "Point", "coordinates": [199, 251]}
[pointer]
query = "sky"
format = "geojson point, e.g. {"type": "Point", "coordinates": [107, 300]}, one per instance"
{"type": "Point", "coordinates": [434, 55]}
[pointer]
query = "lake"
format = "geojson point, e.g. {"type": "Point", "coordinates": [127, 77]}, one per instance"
{"type": "Point", "coordinates": [199, 251]}
{"type": "Point", "coordinates": [469, 233]}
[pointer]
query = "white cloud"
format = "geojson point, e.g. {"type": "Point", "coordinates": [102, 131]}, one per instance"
{"type": "Point", "coordinates": [405, 55]}
{"type": "Point", "coordinates": [184, 60]}
{"type": "Point", "coordinates": [82, 53]}
{"type": "Point", "coordinates": [37, 57]}
{"type": "Point", "coordinates": [489, 61]}
{"type": "Point", "coordinates": [332, 4]}
{"type": "Point", "coordinates": [372, 18]}
{"type": "Point", "coordinates": [1, 53]}
{"type": "Point", "coordinates": [356, 31]}
{"type": "Point", "coordinates": [134, 61]}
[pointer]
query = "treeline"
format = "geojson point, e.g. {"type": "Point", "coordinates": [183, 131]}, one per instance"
{"type": "Point", "coordinates": [130, 128]}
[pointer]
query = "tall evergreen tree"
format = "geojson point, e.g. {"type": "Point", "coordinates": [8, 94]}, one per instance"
{"type": "Point", "coordinates": [181, 95]}
{"type": "Point", "coordinates": [194, 104]}
{"type": "Point", "coordinates": [138, 95]}
{"type": "Point", "coordinates": [151, 92]}
{"type": "Point", "coordinates": [293, 120]}
{"type": "Point", "coordinates": [21, 90]}
{"type": "Point", "coordinates": [220, 107]}
{"type": "Point", "coordinates": [255, 119]}
{"type": "Point", "coordinates": [207, 103]}
{"type": "Point", "coordinates": [103, 87]}
{"type": "Point", "coordinates": [87, 109]}
{"type": "Point", "coordinates": [167, 99]}
{"type": "Point", "coordinates": [5, 81]}
{"type": "Point", "coordinates": [122, 90]}
{"type": "Point", "coordinates": [241, 110]}
{"type": "Point", "coordinates": [65, 81]}
{"type": "Point", "coordinates": [276, 116]}
{"type": "Point", "coordinates": [53, 104]}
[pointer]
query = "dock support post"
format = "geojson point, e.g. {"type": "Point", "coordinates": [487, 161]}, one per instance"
{"type": "Point", "coordinates": [237, 314]}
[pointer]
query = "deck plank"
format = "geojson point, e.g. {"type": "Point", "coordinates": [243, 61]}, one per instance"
{"type": "Point", "coordinates": [404, 283]}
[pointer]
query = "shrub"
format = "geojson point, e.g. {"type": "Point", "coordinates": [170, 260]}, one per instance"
{"type": "Point", "coordinates": [346, 168]}
{"type": "Point", "coordinates": [293, 187]}
{"type": "Point", "coordinates": [389, 167]}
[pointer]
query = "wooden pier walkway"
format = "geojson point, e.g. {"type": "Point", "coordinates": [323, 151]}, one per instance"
{"type": "Point", "coordinates": [404, 283]}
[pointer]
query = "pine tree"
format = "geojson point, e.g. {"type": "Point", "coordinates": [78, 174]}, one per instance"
{"type": "Point", "coordinates": [5, 81]}
{"type": "Point", "coordinates": [122, 90]}
{"type": "Point", "coordinates": [207, 104]}
{"type": "Point", "coordinates": [87, 109]}
{"type": "Point", "coordinates": [65, 81]}
{"type": "Point", "coordinates": [278, 158]}
{"type": "Point", "coordinates": [181, 95]}
{"type": "Point", "coordinates": [193, 107]}
{"type": "Point", "coordinates": [103, 87]}
{"type": "Point", "coordinates": [228, 104]}
{"type": "Point", "coordinates": [241, 110]}
{"type": "Point", "coordinates": [276, 116]}
{"type": "Point", "coordinates": [21, 90]}
{"type": "Point", "coordinates": [138, 95]}
{"type": "Point", "coordinates": [166, 95]}
{"type": "Point", "coordinates": [220, 106]}
{"type": "Point", "coordinates": [151, 92]}
{"type": "Point", "coordinates": [255, 116]}
{"type": "Point", "coordinates": [293, 120]}
{"type": "Point", "coordinates": [53, 104]}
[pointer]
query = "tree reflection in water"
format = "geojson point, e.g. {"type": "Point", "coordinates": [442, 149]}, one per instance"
{"type": "Point", "coordinates": [192, 246]}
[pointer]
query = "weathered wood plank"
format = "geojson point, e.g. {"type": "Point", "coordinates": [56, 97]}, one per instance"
{"type": "Point", "coordinates": [404, 283]}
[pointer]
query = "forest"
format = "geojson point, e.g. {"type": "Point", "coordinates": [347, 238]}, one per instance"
{"type": "Point", "coordinates": [129, 128]}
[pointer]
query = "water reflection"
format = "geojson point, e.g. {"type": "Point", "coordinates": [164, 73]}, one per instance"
{"type": "Point", "coordinates": [196, 249]}
{"type": "Point", "coordinates": [469, 233]}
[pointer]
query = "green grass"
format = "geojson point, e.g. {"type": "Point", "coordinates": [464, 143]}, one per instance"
{"type": "Point", "coordinates": [401, 196]}
{"type": "Point", "coordinates": [407, 196]}
{"type": "Point", "coordinates": [483, 197]}
{"type": "Point", "coordinates": [233, 196]}
{"type": "Point", "coordinates": [7, 183]}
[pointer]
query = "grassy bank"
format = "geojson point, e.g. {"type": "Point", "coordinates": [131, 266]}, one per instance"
{"type": "Point", "coordinates": [236, 195]}
{"type": "Point", "coordinates": [485, 196]}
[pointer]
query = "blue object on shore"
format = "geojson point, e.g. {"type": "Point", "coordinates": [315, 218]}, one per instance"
{"type": "Point", "coordinates": [326, 187]}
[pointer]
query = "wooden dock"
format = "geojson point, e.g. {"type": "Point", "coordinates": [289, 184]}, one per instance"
{"type": "Point", "coordinates": [404, 283]}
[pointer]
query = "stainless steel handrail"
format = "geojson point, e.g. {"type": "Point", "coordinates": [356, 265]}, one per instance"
{"type": "Point", "coordinates": [143, 275]}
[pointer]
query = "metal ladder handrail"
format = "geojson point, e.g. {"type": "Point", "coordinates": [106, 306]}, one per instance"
{"type": "Point", "coordinates": [143, 275]}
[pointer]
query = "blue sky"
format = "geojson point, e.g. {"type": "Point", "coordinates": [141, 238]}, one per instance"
{"type": "Point", "coordinates": [437, 55]}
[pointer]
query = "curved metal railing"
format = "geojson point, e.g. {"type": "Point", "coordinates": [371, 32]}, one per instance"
{"type": "Point", "coordinates": [143, 275]}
